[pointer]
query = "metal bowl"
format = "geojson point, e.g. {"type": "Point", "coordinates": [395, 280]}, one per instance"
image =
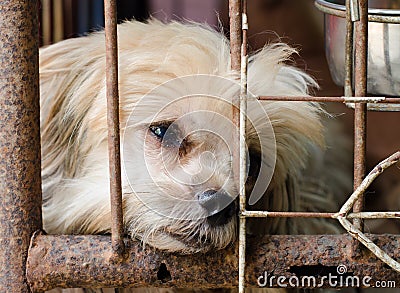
{"type": "Point", "coordinates": [383, 44]}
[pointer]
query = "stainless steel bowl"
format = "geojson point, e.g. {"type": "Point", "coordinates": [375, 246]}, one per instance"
{"type": "Point", "coordinates": [383, 44]}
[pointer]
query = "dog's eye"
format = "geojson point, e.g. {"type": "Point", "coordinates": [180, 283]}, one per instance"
{"type": "Point", "coordinates": [159, 131]}
{"type": "Point", "coordinates": [168, 133]}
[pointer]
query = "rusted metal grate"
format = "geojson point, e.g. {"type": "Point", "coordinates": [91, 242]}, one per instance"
{"type": "Point", "coordinates": [114, 152]}
{"type": "Point", "coordinates": [20, 184]}
{"type": "Point", "coordinates": [356, 200]}
{"type": "Point", "coordinates": [101, 261]}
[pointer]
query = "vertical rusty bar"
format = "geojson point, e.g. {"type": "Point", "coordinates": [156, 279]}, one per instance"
{"type": "Point", "coordinates": [243, 108]}
{"type": "Point", "coordinates": [244, 46]}
{"type": "Point", "coordinates": [20, 182]}
{"type": "Point", "coordinates": [235, 32]}
{"type": "Point", "coordinates": [235, 46]}
{"type": "Point", "coordinates": [360, 114]}
{"type": "Point", "coordinates": [348, 88]}
{"type": "Point", "coordinates": [235, 19]}
{"type": "Point", "coordinates": [113, 126]}
{"type": "Point", "coordinates": [242, 149]}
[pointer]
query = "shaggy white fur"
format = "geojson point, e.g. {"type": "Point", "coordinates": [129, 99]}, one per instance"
{"type": "Point", "coordinates": [177, 75]}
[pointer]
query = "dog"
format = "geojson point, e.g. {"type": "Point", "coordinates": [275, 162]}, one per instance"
{"type": "Point", "coordinates": [178, 139]}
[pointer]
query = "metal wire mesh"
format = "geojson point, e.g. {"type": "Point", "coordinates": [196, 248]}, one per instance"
{"type": "Point", "coordinates": [86, 262]}
{"type": "Point", "coordinates": [355, 201]}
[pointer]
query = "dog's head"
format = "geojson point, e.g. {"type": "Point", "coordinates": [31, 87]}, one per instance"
{"type": "Point", "coordinates": [178, 137]}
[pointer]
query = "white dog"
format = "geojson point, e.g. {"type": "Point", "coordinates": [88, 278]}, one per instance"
{"type": "Point", "coordinates": [176, 135]}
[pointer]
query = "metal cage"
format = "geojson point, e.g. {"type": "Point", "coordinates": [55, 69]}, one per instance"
{"type": "Point", "coordinates": [33, 261]}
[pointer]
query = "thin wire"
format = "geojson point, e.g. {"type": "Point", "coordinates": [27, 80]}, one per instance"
{"type": "Point", "coordinates": [242, 145]}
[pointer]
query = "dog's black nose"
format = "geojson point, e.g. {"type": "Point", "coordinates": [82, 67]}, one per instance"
{"type": "Point", "coordinates": [219, 205]}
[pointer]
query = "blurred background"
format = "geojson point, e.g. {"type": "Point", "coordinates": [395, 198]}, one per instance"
{"type": "Point", "coordinates": [298, 23]}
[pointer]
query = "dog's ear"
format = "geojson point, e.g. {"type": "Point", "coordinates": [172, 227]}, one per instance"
{"type": "Point", "coordinates": [297, 125]}
{"type": "Point", "coordinates": [269, 71]}
{"type": "Point", "coordinates": [71, 78]}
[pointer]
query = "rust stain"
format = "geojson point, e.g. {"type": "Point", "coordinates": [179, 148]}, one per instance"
{"type": "Point", "coordinates": [81, 261]}
{"type": "Point", "coordinates": [360, 114]}
{"type": "Point", "coordinates": [20, 184]}
{"type": "Point", "coordinates": [114, 151]}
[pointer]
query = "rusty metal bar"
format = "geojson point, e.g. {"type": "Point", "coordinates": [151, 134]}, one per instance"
{"type": "Point", "coordinates": [244, 29]}
{"type": "Point", "coordinates": [235, 33]}
{"type": "Point", "coordinates": [235, 52]}
{"type": "Point", "coordinates": [360, 114]}
{"type": "Point", "coordinates": [20, 183]}
{"type": "Point", "coordinates": [266, 214]}
{"type": "Point", "coordinates": [243, 149]}
{"type": "Point", "coordinates": [348, 88]}
{"type": "Point", "coordinates": [82, 261]}
{"type": "Point", "coordinates": [360, 215]}
{"type": "Point", "coordinates": [374, 215]}
{"type": "Point", "coordinates": [113, 126]}
{"type": "Point", "coordinates": [381, 100]}
{"type": "Point", "coordinates": [235, 48]}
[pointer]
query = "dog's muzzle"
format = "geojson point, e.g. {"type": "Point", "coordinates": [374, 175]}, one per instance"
{"type": "Point", "coordinates": [219, 205]}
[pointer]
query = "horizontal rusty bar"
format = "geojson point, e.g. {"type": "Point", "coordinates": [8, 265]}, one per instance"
{"type": "Point", "coordinates": [266, 214]}
{"type": "Point", "coordinates": [380, 107]}
{"type": "Point", "coordinates": [84, 261]}
{"type": "Point", "coordinates": [359, 215]}
{"type": "Point", "coordinates": [382, 100]}
{"type": "Point", "coordinates": [374, 215]}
